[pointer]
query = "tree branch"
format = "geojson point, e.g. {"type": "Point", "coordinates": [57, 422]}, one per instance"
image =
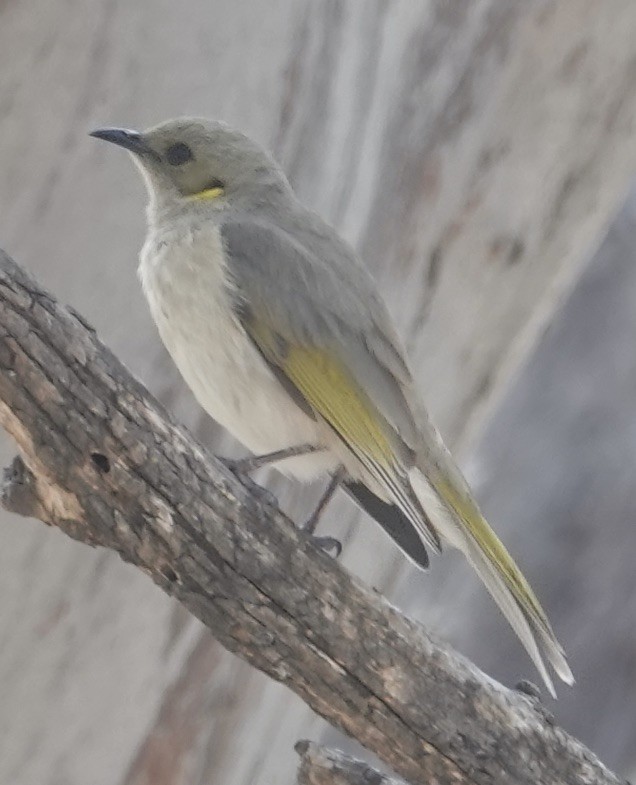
{"type": "Point", "coordinates": [105, 463]}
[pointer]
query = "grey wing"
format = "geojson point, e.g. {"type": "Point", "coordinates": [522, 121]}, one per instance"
{"type": "Point", "coordinates": [306, 279]}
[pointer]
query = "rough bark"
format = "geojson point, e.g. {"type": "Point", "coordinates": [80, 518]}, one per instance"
{"type": "Point", "coordinates": [103, 462]}
{"type": "Point", "coordinates": [322, 766]}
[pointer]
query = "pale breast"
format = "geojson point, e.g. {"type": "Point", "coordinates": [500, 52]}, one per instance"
{"type": "Point", "coordinates": [186, 282]}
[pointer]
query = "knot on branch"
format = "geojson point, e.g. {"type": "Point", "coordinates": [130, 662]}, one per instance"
{"type": "Point", "coordinates": [322, 766]}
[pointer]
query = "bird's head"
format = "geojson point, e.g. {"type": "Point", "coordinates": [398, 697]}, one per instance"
{"type": "Point", "coordinates": [196, 164]}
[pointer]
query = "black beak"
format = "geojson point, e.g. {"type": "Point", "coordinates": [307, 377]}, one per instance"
{"type": "Point", "coordinates": [130, 140]}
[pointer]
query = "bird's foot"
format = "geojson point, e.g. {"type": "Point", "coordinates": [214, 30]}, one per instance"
{"type": "Point", "coordinates": [328, 544]}
{"type": "Point", "coordinates": [240, 469]}
{"type": "Point", "coordinates": [240, 466]}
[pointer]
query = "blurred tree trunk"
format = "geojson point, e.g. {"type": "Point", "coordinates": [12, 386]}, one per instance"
{"type": "Point", "coordinates": [473, 152]}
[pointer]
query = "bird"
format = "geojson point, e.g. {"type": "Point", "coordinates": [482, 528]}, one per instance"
{"type": "Point", "coordinates": [283, 337]}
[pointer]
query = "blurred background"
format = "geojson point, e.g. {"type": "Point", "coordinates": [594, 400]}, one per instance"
{"type": "Point", "coordinates": [479, 155]}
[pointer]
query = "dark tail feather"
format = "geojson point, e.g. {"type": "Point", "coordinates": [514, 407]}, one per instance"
{"type": "Point", "coordinates": [394, 522]}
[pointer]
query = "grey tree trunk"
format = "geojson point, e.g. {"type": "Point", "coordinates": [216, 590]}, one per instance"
{"type": "Point", "coordinates": [473, 152]}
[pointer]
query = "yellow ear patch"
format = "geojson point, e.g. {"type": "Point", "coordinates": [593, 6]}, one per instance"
{"type": "Point", "coordinates": [207, 195]}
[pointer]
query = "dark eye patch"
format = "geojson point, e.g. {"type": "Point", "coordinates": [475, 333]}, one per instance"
{"type": "Point", "coordinates": [178, 153]}
{"type": "Point", "coordinates": [214, 183]}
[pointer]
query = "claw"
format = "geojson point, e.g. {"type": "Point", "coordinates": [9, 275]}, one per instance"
{"type": "Point", "coordinates": [328, 544]}
{"type": "Point", "coordinates": [238, 469]}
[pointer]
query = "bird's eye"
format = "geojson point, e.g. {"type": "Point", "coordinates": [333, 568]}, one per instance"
{"type": "Point", "coordinates": [178, 154]}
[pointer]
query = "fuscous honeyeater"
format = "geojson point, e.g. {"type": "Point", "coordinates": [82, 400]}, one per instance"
{"type": "Point", "coordinates": [283, 338]}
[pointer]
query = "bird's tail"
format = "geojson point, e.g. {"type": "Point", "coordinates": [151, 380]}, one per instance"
{"type": "Point", "coordinates": [446, 499]}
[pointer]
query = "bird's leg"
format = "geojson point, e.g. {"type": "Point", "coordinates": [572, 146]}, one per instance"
{"type": "Point", "coordinates": [336, 478]}
{"type": "Point", "coordinates": [326, 543]}
{"type": "Point", "coordinates": [253, 462]}
{"type": "Point", "coordinates": [242, 467]}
